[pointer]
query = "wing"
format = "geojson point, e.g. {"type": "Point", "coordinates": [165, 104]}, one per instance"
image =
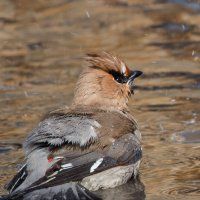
{"type": "Point", "coordinates": [63, 128]}
{"type": "Point", "coordinates": [55, 131]}
{"type": "Point", "coordinates": [65, 146]}
{"type": "Point", "coordinates": [124, 151]}
{"type": "Point", "coordinates": [18, 179]}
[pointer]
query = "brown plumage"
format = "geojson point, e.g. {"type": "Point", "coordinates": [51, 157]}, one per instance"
{"type": "Point", "coordinates": [95, 141]}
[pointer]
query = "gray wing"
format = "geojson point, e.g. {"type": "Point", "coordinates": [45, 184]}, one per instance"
{"type": "Point", "coordinates": [56, 130]}
{"type": "Point", "coordinates": [124, 151]}
{"type": "Point", "coordinates": [62, 128]}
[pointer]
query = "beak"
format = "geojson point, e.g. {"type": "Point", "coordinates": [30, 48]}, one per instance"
{"type": "Point", "coordinates": [133, 75]}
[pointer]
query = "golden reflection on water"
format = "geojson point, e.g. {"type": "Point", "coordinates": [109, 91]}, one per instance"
{"type": "Point", "coordinates": [41, 48]}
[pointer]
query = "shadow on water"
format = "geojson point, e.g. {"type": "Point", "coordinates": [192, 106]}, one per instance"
{"type": "Point", "coordinates": [193, 5]}
{"type": "Point", "coordinates": [5, 147]}
{"type": "Point", "coordinates": [174, 27]}
{"type": "Point", "coordinates": [135, 190]}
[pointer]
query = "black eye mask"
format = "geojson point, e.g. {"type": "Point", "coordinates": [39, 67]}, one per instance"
{"type": "Point", "coordinates": [120, 78]}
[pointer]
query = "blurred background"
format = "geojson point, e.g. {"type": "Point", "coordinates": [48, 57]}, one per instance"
{"type": "Point", "coordinates": [42, 45]}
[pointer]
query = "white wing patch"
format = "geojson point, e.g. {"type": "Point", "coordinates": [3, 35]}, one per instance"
{"type": "Point", "coordinates": [66, 166]}
{"type": "Point", "coordinates": [96, 164]}
{"type": "Point", "coordinates": [58, 157]}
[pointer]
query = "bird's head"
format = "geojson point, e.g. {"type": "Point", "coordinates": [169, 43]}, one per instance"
{"type": "Point", "coordinates": [107, 83]}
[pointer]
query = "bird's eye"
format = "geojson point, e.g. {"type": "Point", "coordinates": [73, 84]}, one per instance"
{"type": "Point", "coordinates": [117, 79]}
{"type": "Point", "coordinates": [120, 78]}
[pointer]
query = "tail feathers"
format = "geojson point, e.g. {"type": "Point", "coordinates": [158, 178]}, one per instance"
{"type": "Point", "coordinates": [17, 180]}
{"type": "Point", "coordinates": [68, 191]}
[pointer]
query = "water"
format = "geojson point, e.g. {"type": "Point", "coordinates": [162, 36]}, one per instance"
{"type": "Point", "coordinates": [41, 48]}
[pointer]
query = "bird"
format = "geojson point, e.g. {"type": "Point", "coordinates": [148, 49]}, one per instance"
{"type": "Point", "coordinates": [93, 144]}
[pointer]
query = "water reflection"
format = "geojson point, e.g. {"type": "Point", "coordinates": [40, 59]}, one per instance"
{"type": "Point", "coordinates": [193, 5]}
{"type": "Point", "coordinates": [135, 190]}
{"type": "Point", "coordinates": [41, 46]}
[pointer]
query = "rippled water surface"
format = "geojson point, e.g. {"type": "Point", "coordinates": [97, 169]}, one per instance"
{"type": "Point", "coordinates": [41, 48]}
